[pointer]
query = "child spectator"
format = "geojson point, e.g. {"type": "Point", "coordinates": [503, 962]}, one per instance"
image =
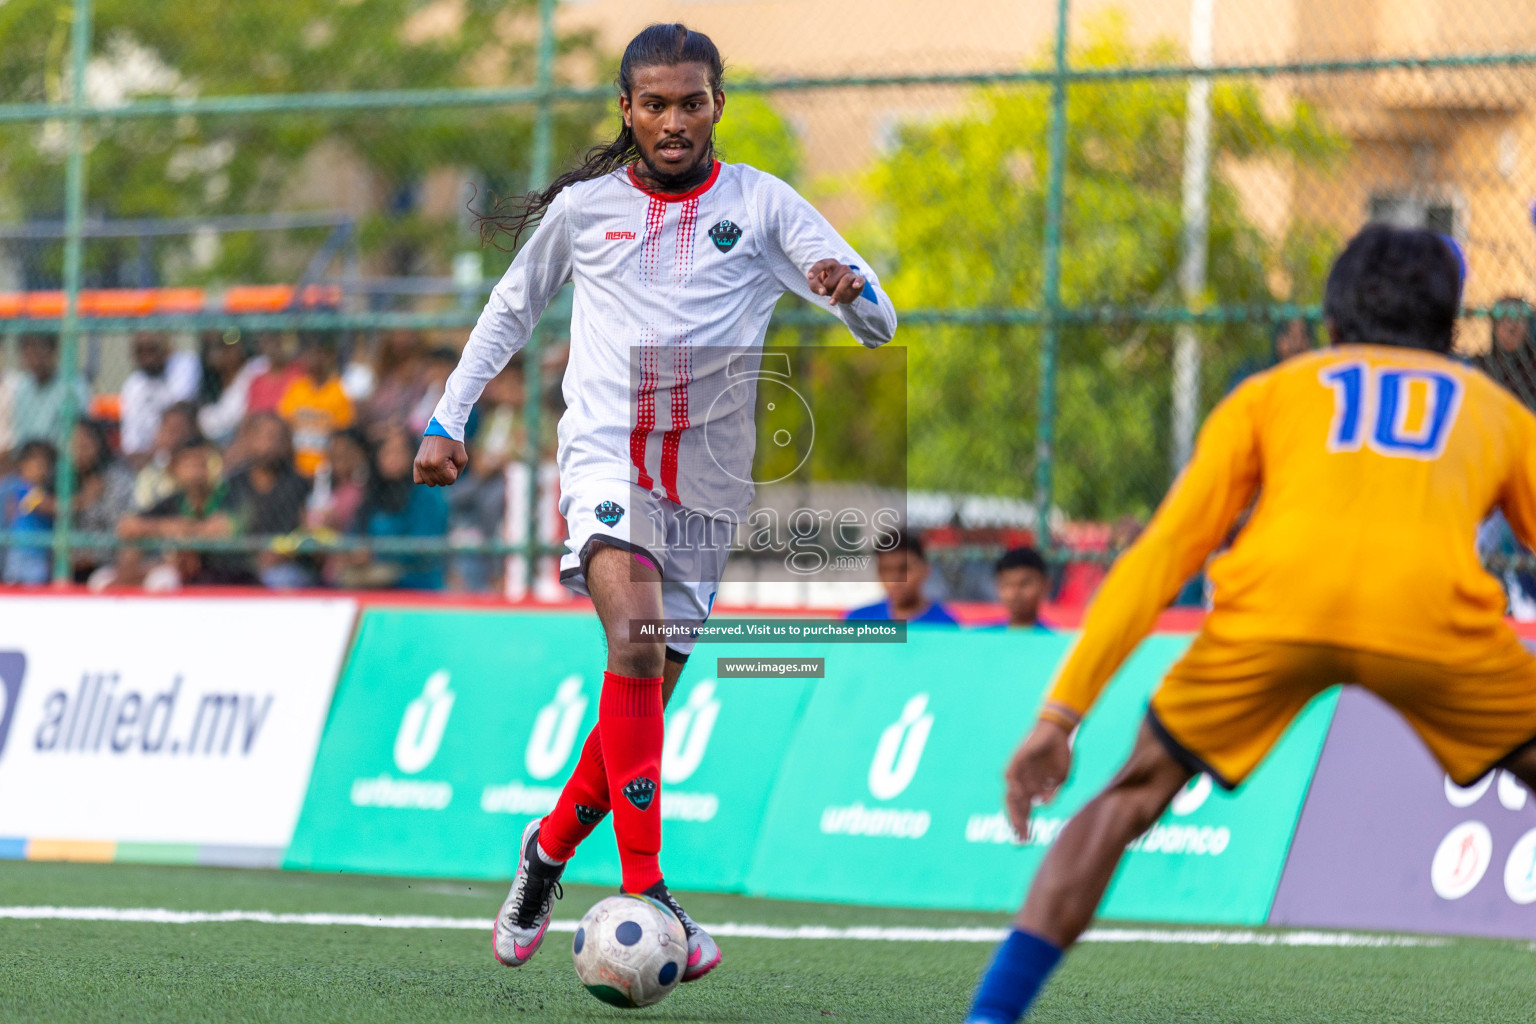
{"type": "Point", "coordinates": [198, 509]}
{"type": "Point", "coordinates": [315, 405]}
{"type": "Point", "coordinates": [267, 498]}
{"type": "Point", "coordinates": [27, 505]}
{"type": "Point", "coordinates": [396, 507]}
{"type": "Point", "coordinates": [903, 569]}
{"type": "Point", "coordinates": [176, 430]}
{"type": "Point", "coordinates": [1022, 583]}
{"type": "Point", "coordinates": [103, 494]}
{"type": "Point", "coordinates": [334, 506]}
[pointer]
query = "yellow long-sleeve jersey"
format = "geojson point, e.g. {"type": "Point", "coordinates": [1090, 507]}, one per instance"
{"type": "Point", "coordinates": [1373, 467]}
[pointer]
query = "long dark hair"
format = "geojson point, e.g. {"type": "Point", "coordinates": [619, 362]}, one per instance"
{"type": "Point", "coordinates": [656, 46]}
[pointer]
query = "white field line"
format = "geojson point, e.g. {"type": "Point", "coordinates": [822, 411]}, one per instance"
{"type": "Point", "coordinates": [868, 933]}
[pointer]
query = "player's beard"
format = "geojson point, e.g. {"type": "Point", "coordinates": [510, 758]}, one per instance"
{"type": "Point", "coordinates": [680, 181]}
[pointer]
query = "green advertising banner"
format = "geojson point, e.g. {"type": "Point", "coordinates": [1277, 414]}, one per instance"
{"type": "Point", "coordinates": [892, 791]}
{"type": "Point", "coordinates": [450, 730]}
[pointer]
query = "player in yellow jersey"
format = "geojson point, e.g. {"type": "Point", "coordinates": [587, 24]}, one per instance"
{"type": "Point", "coordinates": [1368, 467]}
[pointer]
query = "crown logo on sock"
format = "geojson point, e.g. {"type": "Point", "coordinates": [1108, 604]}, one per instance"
{"type": "Point", "coordinates": [640, 792]}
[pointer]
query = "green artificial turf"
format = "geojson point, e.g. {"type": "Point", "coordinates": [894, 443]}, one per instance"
{"type": "Point", "coordinates": [56, 970]}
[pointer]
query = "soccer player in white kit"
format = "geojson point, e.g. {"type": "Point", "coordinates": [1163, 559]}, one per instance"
{"type": "Point", "coordinates": [678, 260]}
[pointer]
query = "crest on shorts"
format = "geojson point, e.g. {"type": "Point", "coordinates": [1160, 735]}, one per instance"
{"type": "Point", "coordinates": [725, 235]}
{"type": "Point", "coordinates": [640, 792]}
{"type": "Point", "coordinates": [609, 513]}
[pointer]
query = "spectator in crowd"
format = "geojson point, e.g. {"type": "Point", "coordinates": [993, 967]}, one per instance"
{"type": "Point", "coordinates": [103, 494]}
{"type": "Point", "coordinates": [1022, 583]}
{"type": "Point", "coordinates": [337, 498]}
{"type": "Point", "coordinates": [229, 369]}
{"type": "Point", "coordinates": [903, 569]}
{"type": "Point", "coordinates": [397, 387]}
{"type": "Point", "coordinates": [267, 498]}
{"type": "Point", "coordinates": [177, 429]}
{"type": "Point", "coordinates": [268, 387]}
{"type": "Point", "coordinates": [396, 507]}
{"type": "Point", "coordinates": [436, 369]}
{"type": "Point", "coordinates": [27, 508]}
{"type": "Point", "coordinates": [315, 405]}
{"type": "Point", "coordinates": [1511, 357]}
{"type": "Point", "coordinates": [479, 503]}
{"type": "Point", "coordinates": [160, 379]}
{"type": "Point", "coordinates": [198, 509]}
{"type": "Point", "coordinates": [341, 484]}
{"type": "Point", "coordinates": [35, 393]}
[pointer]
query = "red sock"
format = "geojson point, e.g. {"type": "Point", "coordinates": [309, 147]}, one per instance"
{"type": "Point", "coordinates": [582, 803]}
{"type": "Point", "coordinates": [629, 719]}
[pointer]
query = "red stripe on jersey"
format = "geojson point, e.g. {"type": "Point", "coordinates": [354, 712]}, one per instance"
{"type": "Point", "coordinates": [645, 397]}
{"type": "Point", "coordinates": [645, 413]}
{"type": "Point", "coordinates": [687, 221]}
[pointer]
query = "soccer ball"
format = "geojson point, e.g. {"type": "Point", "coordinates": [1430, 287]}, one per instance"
{"type": "Point", "coordinates": [630, 951]}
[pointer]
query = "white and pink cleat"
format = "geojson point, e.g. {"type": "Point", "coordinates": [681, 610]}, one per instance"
{"type": "Point", "coordinates": [524, 917]}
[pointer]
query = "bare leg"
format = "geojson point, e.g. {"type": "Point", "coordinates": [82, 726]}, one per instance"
{"type": "Point", "coordinates": [622, 589]}
{"type": "Point", "coordinates": [1071, 882]}
{"type": "Point", "coordinates": [669, 680]}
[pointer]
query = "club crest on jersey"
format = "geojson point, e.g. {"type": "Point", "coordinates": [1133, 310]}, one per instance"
{"type": "Point", "coordinates": [725, 235]}
{"type": "Point", "coordinates": [609, 513]}
{"type": "Point", "coordinates": [640, 792]}
{"type": "Point", "coordinates": [588, 815]}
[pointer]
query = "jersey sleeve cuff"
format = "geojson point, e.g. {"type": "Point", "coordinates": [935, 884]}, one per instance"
{"type": "Point", "coordinates": [436, 429]}
{"type": "Point", "coordinates": [869, 288]}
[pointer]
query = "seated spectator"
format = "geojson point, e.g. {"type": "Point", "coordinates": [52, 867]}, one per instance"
{"type": "Point", "coordinates": [269, 386]}
{"type": "Point", "coordinates": [35, 394]}
{"type": "Point", "coordinates": [436, 370]}
{"type": "Point", "coordinates": [1022, 583]}
{"type": "Point", "coordinates": [478, 503]}
{"type": "Point", "coordinates": [198, 509]}
{"type": "Point", "coordinates": [27, 508]}
{"type": "Point", "coordinates": [397, 380]}
{"type": "Point", "coordinates": [903, 569]}
{"type": "Point", "coordinates": [228, 371]}
{"type": "Point", "coordinates": [177, 429]}
{"type": "Point", "coordinates": [335, 506]}
{"type": "Point", "coordinates": [103, 494]}
{"type": "Point", "coordinates": [1511, 357]}
{"type": "Point", "coordinates": [396, 507]}
{"type": "Point", "coordinates": [267, 498]}
{"type": "Point", "coordinates": [315, 406]}
{"type": "Point", "coordinates": [160, 379]}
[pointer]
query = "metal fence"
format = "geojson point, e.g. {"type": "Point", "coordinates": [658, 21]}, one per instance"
{"type": "Point", "coordinates": [1094, 221]}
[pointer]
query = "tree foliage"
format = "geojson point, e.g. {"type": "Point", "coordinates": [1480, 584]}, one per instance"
{"type": "Point", "coordinates": [210, 165]}
{"type": "Point", "coordinates": [962, 219]}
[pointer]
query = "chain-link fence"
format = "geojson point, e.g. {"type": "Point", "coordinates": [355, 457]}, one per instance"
{"type": "Point", "coordinates": [249, 225]}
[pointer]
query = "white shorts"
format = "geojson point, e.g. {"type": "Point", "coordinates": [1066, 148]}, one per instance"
{"type": "Point", "coordinates": [687, 547]}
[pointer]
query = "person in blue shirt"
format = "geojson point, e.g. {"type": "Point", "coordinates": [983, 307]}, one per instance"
{"type": "Point", "coordinates": [903, 569]}
{"type": "Point", "coordinates": [1023, 580]}
{"type": "Point", "coordinates": [396, 507]}
{"type": "Point", "coordinates": [26, 506]}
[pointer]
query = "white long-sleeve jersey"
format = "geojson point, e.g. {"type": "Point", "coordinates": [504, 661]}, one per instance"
{"type": "Point", "coordinates": [673, 294]}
